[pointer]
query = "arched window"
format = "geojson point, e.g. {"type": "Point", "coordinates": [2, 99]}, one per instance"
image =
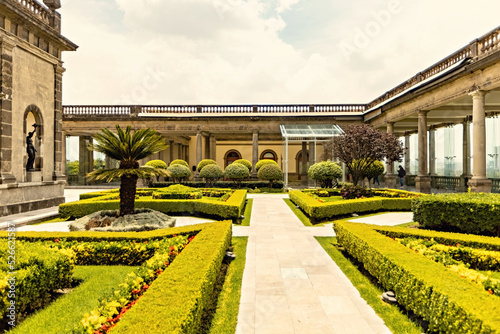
{"type": "Point", "coordinates": [231, 156]}
{"type": "Point", "coordinates": [269, 154]}
{"type": "Point", "coordinates": [298, 159]}
{"type": "Point", "coordinates": [33, 115]}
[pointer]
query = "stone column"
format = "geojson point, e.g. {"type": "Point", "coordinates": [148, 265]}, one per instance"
{"type": "Point", "coordinates": [85, 159]}
{"type": "Point", "coordinates": [207, 147]}
{"type": "Point", "coordinates": [255, 152]}
{"type": "Point", "coordinates": [170, 151]}
{"type": "Point", "coordinates": [59, 172]}
{"type": "Point", "coordinates": [312, 158]}
{"type": "Point", "coordinates": [63, 153]}
{"type": "Point", "coordinates": [213, 148]}
{"type": "Point", "coordinates": [303, 175]}
{"type": "Point", "coordinates": [6, 47]}
{"type": "Point", "coordinates": [407, 153]}
{"type": "Point", "coordinates": [423, 180]}
{"type": "Point", "coordinates": [466, 175]}
{"type": "Point", "coordinates": [390, 178]}
{"type": "Point", "coordinates": [179, 151]}
{"type": "Point", "coordinates": [198, 150]}
{"type": "Point", "coordinates": [479, 182]}
{"type": "Point", "coordinates": [186, 154]}
{"type": "Point", "coordinates": [432, 152]}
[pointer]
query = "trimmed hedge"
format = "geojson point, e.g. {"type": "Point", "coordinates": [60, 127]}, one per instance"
{"type": "Point", "coordinates": [39, 271]}
{"type": "Point", "coordinates": [448, 302]}
{"type": "Point", "coordinates": [178, 296]}
{"type": "Point", "coordinates": [223, 184]}
{"type": "Point", "coordinates": [230, 209]}
{"type": "Point", "coordinates": [318, 210]}
{"type": "Point", "coordinates": [178, 191]}
{"type": "Point", "coordinates": [474, 213]}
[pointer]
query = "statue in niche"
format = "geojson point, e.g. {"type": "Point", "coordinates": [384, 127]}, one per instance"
{"type": "Point", "coordinates": [30, 149]}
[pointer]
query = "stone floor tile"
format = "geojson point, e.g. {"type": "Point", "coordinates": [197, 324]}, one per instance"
{"type": "Point", "coordinates": [297, 273]}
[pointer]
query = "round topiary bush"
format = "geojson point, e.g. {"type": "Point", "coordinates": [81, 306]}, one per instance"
{"type": "Point", "coordinates": [179, 172]}
{"type": "Point", "coordinates": [236, 172]}
{"type": "Point", "coordinates": [324, 173]}
{"type": "Point", "coordinates": [179, 162]}
{"type": "Point", "coordinates": [157, 164]}
{"type": "Point", "coordinates": [271, 173]}
{"type": "Point", "coordinates": [245, 163]}
{"type": "Point", "coordinates": [264, 162]}
{"type": "Point", "coordinates": [204, 163]}
{"type": "Point", "coordinates": [211, 173]}
{"type": "Point", "coordinates": [376, 169]}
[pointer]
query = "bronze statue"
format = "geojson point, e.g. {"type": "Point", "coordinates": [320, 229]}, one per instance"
{"type": "Point", "coordinates": [30, 149]}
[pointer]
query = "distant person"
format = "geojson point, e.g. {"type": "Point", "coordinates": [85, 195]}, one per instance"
{"type": "Point", "coordinates": [375, 179]}
{"type": "Point", "coordinates": [401, 174]}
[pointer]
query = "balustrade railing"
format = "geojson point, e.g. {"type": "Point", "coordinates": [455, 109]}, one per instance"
{"type": "Point", "coordinates": [97, 110]}
{"type": "Point", "coordinates": [445, 182]}
{"type": "Point", "coordinates": [37, 9]}
{"type": "Point", "coordinates": [495, 187]}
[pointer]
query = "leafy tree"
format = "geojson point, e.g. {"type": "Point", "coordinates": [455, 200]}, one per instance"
{"type": "Point", "coordinates": [72, 167]}
{"type": "Point", "coordinates": [270, 172]}
{"type": "Point", "coordinates": [211, 173]}
{"type": "Point", "coordinates": [128, 148]}
{"type": "Point", "coordinates": [245, 163]}
{"type": "Point", "coordinates": [179, 162]}
{"type": "Point", "coordinates": [361, 145]}
{"type": "Point", "coordinates": [179, 172]}
{"type": "Point", "coordinates": [324, 173]}
{"type": "Point", "coordinates": [236, 172]}
{"type": "Point", "coordinates": [98, 163]}
{"type": "Point", "coordinates": [205, 162]}
{"type": "Point", "coordinates": [264, 162]}
{"type": "Point", "coordinates": [376, 169]}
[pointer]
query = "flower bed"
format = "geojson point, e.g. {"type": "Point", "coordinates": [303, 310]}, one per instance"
{"type": "Point", "coordinates": [178, 297]}
{"type": "Point", "coordinates": [450, 303]}
{"type": "Point", "coordinates": [229, 205]}
{"type": "Point", "coordinates": [315, 204]}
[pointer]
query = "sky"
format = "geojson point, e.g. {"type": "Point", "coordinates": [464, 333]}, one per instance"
{"type": "Point", "coordinates": [256, 51]}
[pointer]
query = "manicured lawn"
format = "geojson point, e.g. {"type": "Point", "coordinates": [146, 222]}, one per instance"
{"type": "Point", "coordinates": [62, 315]}
{"type": "Point", "coordinates": [226, 316]}
{"type": "Point", "coordinates": [393, 317]}
{"type": "Point", "coordinates": [247, 213]}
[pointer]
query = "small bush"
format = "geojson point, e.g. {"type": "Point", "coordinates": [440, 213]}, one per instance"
{"type": "Point", "coordinates": [211, 173]}
{"type": "Point", "coordinates": [264, 162]}
{"type": "Point", "coordinates": [179, 172]}
{"type": "Point", "coordinates": [178, 192]}
{"type": "Point", "coordinates": [179, 162]}
{"type": "Point", "coordinates": [245, 163]}
{"type": "Point", "coordinates": [271, 173]}
{"type": "Point", "coordinates": [325, 172]}
{"type": "Point", "coordinates": [374, 170]}
{"type": "Point", "coordinates": [157, 164]}
{"type": "Point", "coordinates": [236, 172]}
{"type": "Point", "coordinates": [204, 163]}
{"type": "Point", "coordinates": [353, 192]}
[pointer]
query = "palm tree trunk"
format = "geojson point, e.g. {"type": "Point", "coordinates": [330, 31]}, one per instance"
{"type": "Point", "coordinates": [127, 194]}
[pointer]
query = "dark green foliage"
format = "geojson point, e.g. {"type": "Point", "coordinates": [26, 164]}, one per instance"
{"type": "Point", "coordinates": [211, 173]}
{"type": "Point", "coordinates": [179, 172]}
{"type": "Point", "coordinates": [271, 173]}
{"type": "Point", "coordinates": [236, 172]}
{"type": "Point", "coordinates": [225, 184]}
{"type": "Point", "coordinates": [474, 213]}
{"type": "Point", "coordinates": [204, 163]}
{"type": "Point", "coordinates": [324, 173]}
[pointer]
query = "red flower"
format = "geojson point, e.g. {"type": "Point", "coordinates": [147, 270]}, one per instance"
{"type": "Point", "coordinates": [145, 287]}
{"type": "Point", "coordinates": [490, 291]}
{"type": "Point", "coordinates": [56, 240]}
{"type": "Point", "coordinates": [172, 248]}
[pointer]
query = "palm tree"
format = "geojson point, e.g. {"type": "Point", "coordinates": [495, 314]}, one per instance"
{"type": "Point", "coordinates": [128, 148]}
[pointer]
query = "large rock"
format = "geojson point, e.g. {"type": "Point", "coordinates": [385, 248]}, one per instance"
{"type": "Point", "coordinates": [110, 221]}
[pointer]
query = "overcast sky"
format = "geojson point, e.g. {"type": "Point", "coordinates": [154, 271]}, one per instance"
{"type": "Point", "coordinates": [256, 51]}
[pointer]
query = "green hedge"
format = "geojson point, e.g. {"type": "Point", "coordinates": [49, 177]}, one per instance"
{"type": "Point", "coordinates": [474, 213]}
{"type": "Point", "coordinates": [448, 302]}
{"type": "Point", "coordinates": [229, 209]}
{"type": "Point", "coordinates": [318, 210]}
{"type": "Point", "coordinates": [223, 184]}
{"type": "Point", "coordinates": [175, 301]}
{"type": "Point", "coordinates": [38, 271]}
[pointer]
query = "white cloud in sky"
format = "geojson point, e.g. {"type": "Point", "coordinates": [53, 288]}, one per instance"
{"type": "Point", "coordinates": [256, 51]}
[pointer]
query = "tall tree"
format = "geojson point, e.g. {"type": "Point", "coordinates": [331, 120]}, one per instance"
{"type": "Point", "coordinates": [361, 145]}
{"type": "Point", "coordinates": [128, 148]}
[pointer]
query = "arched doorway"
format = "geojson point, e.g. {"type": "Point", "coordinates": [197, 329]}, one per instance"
{"type": "Point", "coordinates": [298, 166]}
{"type": "Point", "coordinates": [269, 154]}
{"type": "Point", "coordinates": [230, 157]}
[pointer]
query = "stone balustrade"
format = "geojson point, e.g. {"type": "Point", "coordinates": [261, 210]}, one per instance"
{"type": "Point", "coordinates": [36, 9]}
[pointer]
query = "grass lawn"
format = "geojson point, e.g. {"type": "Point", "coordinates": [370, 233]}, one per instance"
{"type": "Point", "coordinates": [63, 314]}
{"type": "Point", "coordinates": [247, 213]}
{"type": "Point", "coordinates": [226, 314]}
{"type": "Point", "coordinates": [393, 317]}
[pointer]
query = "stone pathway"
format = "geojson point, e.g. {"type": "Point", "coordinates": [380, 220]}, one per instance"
{"type": "Point", "coordinates": [290, 284]}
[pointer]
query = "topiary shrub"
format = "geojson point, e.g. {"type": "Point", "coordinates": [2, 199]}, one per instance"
{"type": "Point", "coordinates": [264, 162]}
{"type": "Point", "coordinates": [179, 172]}
{"type": "Point", "coordinates": [236, 172]}
{"type": "Point", "coordinates": [245, 163]}
{"type": "Point", "coordinates": [324, 173]}
{"type": "Point", "coordinates": [179, 162]}
{"type": "Point", "coordinates": [270, 172]}
{"type": "Point", "coordinates": [211, 173]}
{"type": "Point", "coordinates": [204, 163]}
{"type": "Point", "coordinates": [157, 164]}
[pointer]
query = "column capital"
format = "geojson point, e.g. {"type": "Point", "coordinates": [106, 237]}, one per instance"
{"type": "Point", "coordinates": [422, 113]}
{"type": "Point", "coordinates": [478, 93]}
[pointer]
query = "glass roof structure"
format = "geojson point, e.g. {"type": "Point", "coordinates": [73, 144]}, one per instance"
{"type": "Point", "coordinates": [292, 132]}
{"type": "Point", "coordinates": [306, 133]}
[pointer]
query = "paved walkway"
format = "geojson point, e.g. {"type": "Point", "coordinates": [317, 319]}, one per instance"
{"type": "Point", "coordinates": [290, 284]}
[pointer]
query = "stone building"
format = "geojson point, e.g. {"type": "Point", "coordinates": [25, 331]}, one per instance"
{"type": "Point", "coordinates": [31, 92]}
